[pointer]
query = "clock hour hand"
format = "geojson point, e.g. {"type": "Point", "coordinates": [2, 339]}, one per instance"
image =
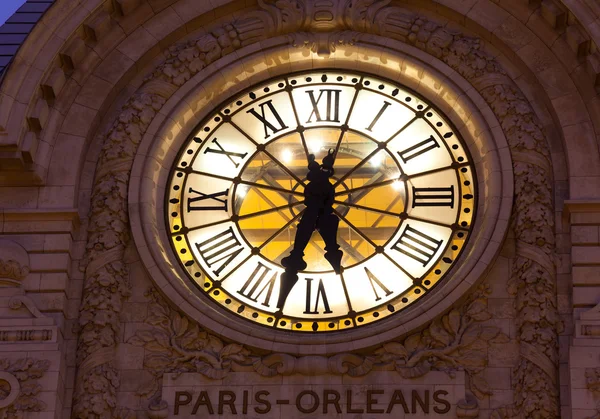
{"type": "Point", "coordinates": [318, 198]}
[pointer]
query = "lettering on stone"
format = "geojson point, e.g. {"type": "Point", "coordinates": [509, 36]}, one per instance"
{"type": "Point", "coordinates": [376, 401]}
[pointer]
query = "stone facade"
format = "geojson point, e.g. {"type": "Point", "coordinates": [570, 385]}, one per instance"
{"type": "Point", "coordinates": [93, 107]}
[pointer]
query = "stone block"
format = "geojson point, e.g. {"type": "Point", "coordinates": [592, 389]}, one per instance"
{"type": "Point", "coordinates": [53, 84]}
{"type": "Point", "coordinates": [585, 255]}
{"type": "Point", "coordinates": [114, 67]}
{"type": "Point", "coordinates": [79, 120]}
{"type": "Point", "coordinates": [54, 282]}
{"type": "Point", "coordinates": [125, 7]}
{"type": "Point", "coordinates": [97, 26]}
{"type": "Point", "coordinates": [137, 44]}
{"type": "Point", "coordinates": [585, 235]}
{"type": "Point", "coordinates": [586, 295]}
{"type": "Point", "coordinates": [57, 262]}
{"type": "Point", "coordinates": [164, 23]}
{"type": "Point", "coordinates": [73, 54]}
{"type": "Point", "coordinates": [593, 67]}
{"type": "Point", "coordinates": [38, 116]}
{"type": "Point", "coordinates": [577, 40]}
{"type": "Point", "coordinates": [586, 275]}
{"type": "Point", "coordinates": [57, 196]}
{"type": "Point", "coordinates": [94, 92]}
{"type": "Point", "coordinates": [51, 301]}
{"type": "Point", "coordinates": [29, 147]}
{"type": "Point", "coordinates": [554, 13]}
{"type": "Point", "coordinates": [57, 242]}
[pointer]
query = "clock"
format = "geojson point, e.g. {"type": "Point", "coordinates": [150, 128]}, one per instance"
{"type": "Point", "coordinates": [402, 195]}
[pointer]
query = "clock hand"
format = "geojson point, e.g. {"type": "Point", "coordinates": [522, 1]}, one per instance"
{"type": "Point", "coordinates": [319, 197]}
{"type": "Point", "coordinates": [328, 222]}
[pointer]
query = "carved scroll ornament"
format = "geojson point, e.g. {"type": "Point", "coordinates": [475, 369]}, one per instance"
{"type": "Point", "coordinates": [533, 274]}
{"type": "Point", "coordinates": [175, 344]}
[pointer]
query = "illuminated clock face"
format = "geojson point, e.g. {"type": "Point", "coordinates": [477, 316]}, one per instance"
{"type": "Point", "coordinates": [403, 189]}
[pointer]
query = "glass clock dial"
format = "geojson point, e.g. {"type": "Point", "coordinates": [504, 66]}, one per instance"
{"type": "Point", "coordinates": [404, 194]}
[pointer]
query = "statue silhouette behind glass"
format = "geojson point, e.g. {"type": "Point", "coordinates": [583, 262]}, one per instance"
{"type": "Point", "coordinates": [318, 198]}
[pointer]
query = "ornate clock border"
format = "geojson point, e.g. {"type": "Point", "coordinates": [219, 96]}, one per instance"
{"type": "Point", "coordinates": [106, 275]}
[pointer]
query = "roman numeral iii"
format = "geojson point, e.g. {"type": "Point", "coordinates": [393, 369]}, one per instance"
{"type": "Point", "coordinates": [258, 284]}
{"type": "Point", "coordinates": [433, 197]}
{"type": "Point", "coordinates": [332, 105]}
{"type": "Point", "coordinates": [417, 245]}
{"type": "Point", "coordinates": [218, 203]}
{"type": "Point", "coordinates": [274, 126]}
{"type": "Point", "coordinates": [220, 250]}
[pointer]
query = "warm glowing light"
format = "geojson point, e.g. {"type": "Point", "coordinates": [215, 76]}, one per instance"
{"type": "Point", "coordinates": [377, 159]}
{"type": "Point", "coordinates": [315, 146]}
{"type": "Point", "coordinates": [397, 185]}
{"type": "Point", "coordinates": [241, 191]}
{"type": "Point", "coordinates": [287, 156]}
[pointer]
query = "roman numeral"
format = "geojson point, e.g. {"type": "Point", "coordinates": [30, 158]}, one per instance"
{"type": "Point", "coordinates": [320, 295]}
{"type": "Point", "coordinates": [251, 290]}
{"type": "Point", "coordinates": [433, 197]}
{"type": "Point", "coordinates": [416, 245]}
{"type": "Point", "coordinates": [381, 111]}
{"type": "Point", "coordinates": [332, 105]}
{"type": "Point", "coordinates": [373, 280]}
{"type": "Point", "coordinates": [230, 154]}
{"type": "Point", "coordinates": [268, 125]}
{"type": "Point", "coordinates": [220, 250]}
{"type": "Point", "coordinates": [418, 149]}
{"type": "Point", "coordinates": [202, 197]}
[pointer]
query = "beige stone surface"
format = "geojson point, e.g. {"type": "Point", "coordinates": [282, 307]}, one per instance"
{"type": "Point", "coordinates": [545, 41]}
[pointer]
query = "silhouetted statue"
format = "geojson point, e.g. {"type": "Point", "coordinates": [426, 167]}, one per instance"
{"type": "Point", "coordinates": [318, 198]}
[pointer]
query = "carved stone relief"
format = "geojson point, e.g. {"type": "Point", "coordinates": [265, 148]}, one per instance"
{"type": "Point", "coordinates": [458, 340]}
{"type": "Point", "coordinates": [19, 388]}
{"type": "Point", "coordinates": [14, 264]}
{"type": "Point", "coordinates": [533, 274]}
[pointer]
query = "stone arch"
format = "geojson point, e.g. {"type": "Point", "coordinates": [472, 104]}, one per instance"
{"type": "Point", "coordinates": [144, 105]}
{"type": "Point", "coordinates": [85, 38]}
{"type": "Point", "coordinates": [472, 17]}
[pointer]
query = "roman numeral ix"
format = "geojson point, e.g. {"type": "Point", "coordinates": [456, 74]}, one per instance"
{"type": "Point", "coordinates": [416, 245]}
{"type": "Point", "coordinates": [220, 250]}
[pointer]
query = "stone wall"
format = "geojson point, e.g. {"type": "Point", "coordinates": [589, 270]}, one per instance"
{"type": "Point", "coordinates": [82, 66]}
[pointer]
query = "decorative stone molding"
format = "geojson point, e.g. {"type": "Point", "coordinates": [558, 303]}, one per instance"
{"type": "Point", "coordinates": [14, 263]}
{"type": "Point", "coordinates": [533, 276]}
{"type": "Point", "coordinates": [592, 377]}
{"type": "Point", "coordinates": [458, 340]}
{"type": "Point", "coordinates": [19, 386]}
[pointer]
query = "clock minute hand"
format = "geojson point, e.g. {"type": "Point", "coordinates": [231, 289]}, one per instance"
{"type": "Point", "coordinates": [319, 197]}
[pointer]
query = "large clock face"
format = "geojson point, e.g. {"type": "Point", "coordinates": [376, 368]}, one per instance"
{"type": "Point", "coordinates": [403, 192]}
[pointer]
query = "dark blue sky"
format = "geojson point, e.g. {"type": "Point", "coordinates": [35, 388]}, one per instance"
{"type": "Point", "coordinates": [8, 7]}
